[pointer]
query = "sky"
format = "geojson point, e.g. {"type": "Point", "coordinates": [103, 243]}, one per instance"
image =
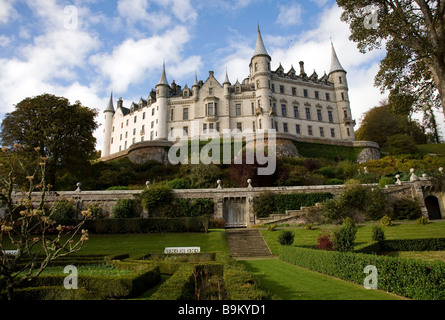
{"type": "Point", "coordinates": [85, 49]}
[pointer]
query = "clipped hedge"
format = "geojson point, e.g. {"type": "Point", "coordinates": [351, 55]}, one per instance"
{"type": "Point", "coordinates": [148, 225]}
{"type": "Point", "coordinates": [105, 287]}
{"type": "Point", "coordinates": [50, 293]}
{"type": "Point", "coordinates": [431, 244]}
{"type": "Point", "coordinates": [407, 277]}
{"type": "Point", "coordinates": [180, 286]}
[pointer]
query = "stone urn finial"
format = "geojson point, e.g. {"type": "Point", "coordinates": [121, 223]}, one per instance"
{"type": "Point", "coordinates": [249, 181]}
{"type": "Point", "coordinates": [147, 184]}
{"type": "Point", "coordinates": [413, 175]}
{"type": "Point", "coordinates": [78, 187]}
{"type": "Point", "coordinates": [398, 182]}
{"type": "Point", "coordinates": [219, 184]}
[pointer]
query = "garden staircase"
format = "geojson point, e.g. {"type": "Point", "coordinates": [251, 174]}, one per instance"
{"type": "Point", "coordinates": [295, 216]}
{"type": "Point", "coordinates": [247, 244]}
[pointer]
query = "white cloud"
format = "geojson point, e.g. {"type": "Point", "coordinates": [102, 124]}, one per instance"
{"type": "Point", "coordinates": [135, 60]}
{"type": "Point", "coordinates": [7, 11]}
{"type": "Point", "coordinates": [289, 15]}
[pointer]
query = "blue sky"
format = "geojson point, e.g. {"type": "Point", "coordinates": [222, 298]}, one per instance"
{"type": "Point", "coordinates": [120, 46]}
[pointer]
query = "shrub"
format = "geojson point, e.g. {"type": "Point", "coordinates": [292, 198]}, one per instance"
{"type": "Point", "coordinates": [265, 205]}
{"type": "Point", "coordinates": [400, 144]}
{"type": "Point", "coordinates": [156, 200]}
{"type": "Point", "coordinates": [406, 208]}
{"type": "Point", "coordinates": [378, 234]}
{"type": "Point", "coordinates": [63, 211]}
{"type": "Point", "coordinates": [386, 221]}
{"type": "Point", "coordinates": [309, 226]}
{"type": "Point", "coordinates": [124, 208]}
{"type": "Point", "coordinates": [344, 236]}
{"type": "Point", "coordinates": [385, 181]}
{"type": "Point", "coordinates": [324, 241]}
{"type": "Point", "coordinates": [96, 211]}
{"type": "Point", "coordinates": [286, 238]}
{"type": "Point", "coordinates": [422, 221]}
{"type": "Point", "coordinates": [271, 227]}
{"type": "Point", "coordinates": [178, 184]}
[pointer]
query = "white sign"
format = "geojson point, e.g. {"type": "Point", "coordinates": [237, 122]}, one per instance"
{"type": "Point", "coordinates": [11, 252]}
{"type": "Point", "coordinates": [182, 250]}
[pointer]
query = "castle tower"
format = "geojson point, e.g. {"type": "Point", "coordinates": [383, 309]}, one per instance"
{"type": "Point", "coordinates": [260, 76]}
{"type": "Point", "coordinates": [195, 89]}
{"type": "Point", "coordinates": [108, 127]}
{"type": "Point", "coordinates": [162, 93]}
{"type": "Point", "coordinates": [337, 76]}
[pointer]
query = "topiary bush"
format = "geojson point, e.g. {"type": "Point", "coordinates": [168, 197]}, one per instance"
{"type": "Point", "coordinates": [378, 234]}
{"type": "Point", "coordinates": [286, 238]}
{"type": "Point", "coordinates": [344, 236]}
{"type": "Point", "coordinates": [386, 221]}
{"type": "Point", "coordinates": [124, 208]}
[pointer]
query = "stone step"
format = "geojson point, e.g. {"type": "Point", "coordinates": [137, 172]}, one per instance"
{"type": "Point", "coordinates": [247, 243]}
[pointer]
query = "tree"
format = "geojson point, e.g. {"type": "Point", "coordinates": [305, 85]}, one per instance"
{"type": "Point", "coordinates": [380, 123]}
{"type": "Point", "coordinates": [63, 132]}
{"type": "Point", "coordinates": [414, 33]}
{"type": "Point", "coordinates": [28, 226]}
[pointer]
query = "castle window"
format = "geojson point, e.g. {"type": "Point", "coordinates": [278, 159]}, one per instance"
{"type": "Point", "coordinates": [134, 140]}
{"type": "Point", "coordinates": [239, 126]}
{"type": "Point", "coordinates": [125, 145]}
{"type": "Point", "coordinates": [305, 93]}
{"type": "Point", "coordinates": [185, 131]}
{"type": "Point", "coordinates": [282, 89]}
{"type": "Point", "coordinates": [217, 126]}
{"type": "Point", "coordinates": [294, 91]}
{"type": "Point", "coordinates": [273, 88]}
{"type": "Point", "coordinates": [143, 116]}
{"type": "Point", "coordinates": [204, 127]}
{"type": "Point", "coordinates": [237, 89]}
{"type": "Point", "coordinates": [134, 131]}
{"type": "Point", "coordinates": [153, 111]}
{"type": "Point", "coordinates": [210, 91]}
{"type": "Point", "coordinates": [297, 128]}
{"type": "Point", "coordinates": [309, 130]}
{"type": "Point", "coordinates": [328, 97]}
{"type": "Point", "coordinates": [113, 128]}
{"type": "Point", "coordinates": [348, 131]}
{"type": "Point", "coordinates": [258, 84]}
{"type": "Point", "coordinates": [296, 113]}
{"type": "Point", "coordinates": [321, 132]}
{"type": "Point", "coordinates": [186, 93]}
{"type": "Point", "coordinates": [331, 118]}
{"type": "Point", "coordinates": [254, 126]}
{"type": "Point", "coordinates": [152, 124]}
{"type": "Point", "coordinates": [126, 136]}
{"type": "Point", "coordinates": [238, 109]}
{"type": "Point", "coordinates": [253, 108]}
{"type": "Point", "coordinates": [172, 114]}
{"type": "Point", "coordinates": [151, 135]}
{"type": "Point", "coordinates": [342, 96]}
{"type": "Point", "coordinates": [211, 109]}
{"type": "Point", "coordinates": [308, 114]}
{"type": "Point", "coordinates": [135, 119]}
{"type": "Point", "coordinates": [285, 129]}
{"type": "Point", "coordinates": [333, 133]}
{"type": "Point", "coordinates": [319, 116]}
{"type": "Point", "coordinates": [317, 95]}
{"type": "Point", "coordinates": [211, 127]}
{"type": "Point", "coordinates": [127, 123]}
{"type": "Point", "coordinates": [112, 140]}
{"type": "Point", "coordinates": [340, 80]}
{"type": "Point", "coordinates": [345, 113]}
{"type": "Point", "coordinates": [276, 126]}
{"type": "Point", "coordinates": [122, 125]}
{"type": "Point", "coordinates": [185, 113]}
{"type": "Point", "coordinates": [256, 67]}
{"type": "Point", "coordinates": [121, 137]}
{"type": "Point", "coordinates": [283, 110]}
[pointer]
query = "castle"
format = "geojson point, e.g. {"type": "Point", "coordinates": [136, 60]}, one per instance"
{"type": "Point", "coordinates": [297, 105]}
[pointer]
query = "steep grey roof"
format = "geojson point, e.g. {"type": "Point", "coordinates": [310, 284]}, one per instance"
{"type": "Point", "coordinates": [163, 80]}
{"type": "Point", "coordinates": [110, 107]}
{"type": "Point", "coordinates": [196, 81]}
{"type": "Point", "coordinates": [260, 49]}
{"type": "Point", "coordinates": [335, 63]}
{"type": "Point", "coordinates": [226, 80]}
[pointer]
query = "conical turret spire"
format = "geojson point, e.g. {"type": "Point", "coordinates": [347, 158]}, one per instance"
{"type": "Point", "coordinates": [163, 80]}
{"type": "Point", "coordinates": [110, 107]}
{"type": "Point", "coordinates": [335, 63]}
{"type": "Point", "coordinates": [226, 80]}
{"type": "Point", "coordinates": [260, 49]}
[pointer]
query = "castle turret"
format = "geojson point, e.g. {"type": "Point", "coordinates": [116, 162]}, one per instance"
{"type": "Point", "coordinates": [260, 75]}
{"type": "Point", "coordinates": [226, 85]}
{"type": "Point", "coordinates": [337, 76]}
{"type": "Point", "coordinates": [162, 93]}
{"type": "Point", "coordinates": [195, 89]}
{"type": "Point", "coordinates": [108, 127]}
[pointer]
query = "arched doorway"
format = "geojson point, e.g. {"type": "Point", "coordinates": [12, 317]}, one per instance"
{"type": "Point", "coordinates": [432, 205]}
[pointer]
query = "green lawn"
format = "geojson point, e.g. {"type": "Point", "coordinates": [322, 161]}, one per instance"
{"type": "Point", "coordinates": [432, 148]}
{"type": "Point", "coordinates": [289, 282]}
{"type": "Point", "coordinates": [410, 230]}
{"type": "Point", "coordinates": [137, 244]}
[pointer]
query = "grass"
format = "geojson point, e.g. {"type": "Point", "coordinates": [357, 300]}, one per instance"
{"type": "Point", "coordinates": [290, 282]}
{"type": "Point", "coordinates": [432, 148]}
{"type": "Point", "coordinates": [410, 230]}
{"type": "Point", "coordinates": [137, 244]}
{"type": "Point", "coordinates": [422, 255]}
{"type": "Point", "coordinates": [88, 270]}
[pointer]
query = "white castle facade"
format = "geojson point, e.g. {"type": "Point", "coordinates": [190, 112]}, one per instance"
{"type": "Point", "coordinates": [293, 103]}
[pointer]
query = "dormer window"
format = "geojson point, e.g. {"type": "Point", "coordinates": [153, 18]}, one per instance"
{"type": "Point", "coordinates": [210, 91]}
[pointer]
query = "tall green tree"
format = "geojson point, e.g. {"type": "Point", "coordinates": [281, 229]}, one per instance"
{"type": "Point", "coordinates": [59, 130]}
{"type": "Point", "coordinates": [414, 34]}
{"type": "Point", "coordinates": [380, 123]}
